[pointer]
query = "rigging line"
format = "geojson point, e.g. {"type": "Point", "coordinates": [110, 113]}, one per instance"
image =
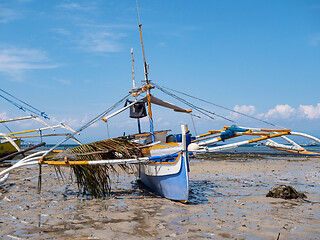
{"type": "Point", "coordinates": [19, 106]}
{"type": "Point", "coordinates": [192, 105]}
{"type": "Point", "coordinates": [6, 126]}
{"type": "Point", "coordinates": [231, 110]}
{"type": "Point", "coordinates": [194, 126]}
{"type": "Point", "coordinates": [41, 113]}
{"type": "Point", "coordinates": [185, 102]}
{"type": "Point", "coordinates": [15, 104]}
{"type": "Point", "coordinates": [138, 12]}
{"type": "Point", "coordinates": [88, 124]}
{"type": "Point", "coordinates": [103, 113]}
{"type": "Point", "coordinates": [188, 104]}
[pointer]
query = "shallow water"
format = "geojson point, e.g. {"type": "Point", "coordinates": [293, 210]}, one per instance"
{"type": "Point", "coordinates": [227, 201]}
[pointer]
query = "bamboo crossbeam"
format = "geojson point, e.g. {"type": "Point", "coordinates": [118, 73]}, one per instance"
{"type": "Point", "coordinates": [44, 123]}
{"type": "Point", "coordinates": [17, 119]}
{"type": "Point", "coordinates": [275, 130]}
{"type": "Point", "coordinates": [34, 130]}
{"type": "Point", "coordinates": [210, 133]}
{"type": "Point", "coordinates": [267, 137]}
{"type": "Point", "coordinates": [109, 161]}
{"type": "Point", "coordinates": [45, 135]}
{"type": "Point", "coordinates": [204, 138]}
{"type": "Point", "coordinates": [254, 134]}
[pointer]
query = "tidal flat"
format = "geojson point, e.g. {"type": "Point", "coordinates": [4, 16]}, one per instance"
{"type": "Point", "coordinates": [227, 201]}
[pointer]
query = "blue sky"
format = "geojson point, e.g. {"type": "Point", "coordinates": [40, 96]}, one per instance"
{"type": "Point", "coordinates": [72, 59]}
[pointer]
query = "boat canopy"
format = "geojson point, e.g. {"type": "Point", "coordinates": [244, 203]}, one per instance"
{"type": "Point", "coordinates": [162, 103]}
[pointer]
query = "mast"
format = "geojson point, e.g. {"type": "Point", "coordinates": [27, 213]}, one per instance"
{"type": "Point", "coordinates": [144, 57]}
{"type": "Point", "coordinates": [147, 81]}
{"type": "Point", "coordinates": [132, 68]}
{"type": "Point", "coordinates": [134, 85]}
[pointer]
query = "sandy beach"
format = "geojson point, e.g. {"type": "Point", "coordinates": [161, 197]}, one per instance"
{"type": "Point", "coordinates": [227, 201]}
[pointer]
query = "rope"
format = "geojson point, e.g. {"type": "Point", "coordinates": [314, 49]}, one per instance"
{"type": "Point", "coordinates": [6, 126]}
{"type": "Point", "coordinates": [138, 12]}
{"type": "Point", "coordinates": [25, 109]}
{"type": "Point", "coordinates": [40, 133]}
{"type": "Point", "coordinates": [199, 109]}
{"type": "Point", "coordinates": [194, 126]}
{"type": "Point", "coordinates": [94, 120]}
{"type": "Point", "coordinates": [225, 108]}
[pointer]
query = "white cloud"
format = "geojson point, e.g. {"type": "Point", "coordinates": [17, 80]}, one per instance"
{"type": "Point", "coordinates": [249, 110]}
{"type": "Point", "coordinates": [61, 31]}
{"type": "Point", "coordinates": [315, 40]}
{"type": "Point", "coordinates": [15, 61]}
{"type": "Point", "coordinates": [7, 15]}
{"type": "Point", "coordinates": [76, 6]}
{"type": "Point", "coordinates": [93, 38]}
{"type": "Point", "coordinates": [100, 42]}
{"type": "Point", "coordinates": [281, 111]}
{"type": "Point", "coordinates": [3, 116]}
{"type": "Point", "coordinates": [122, 124]}
{"type": "Point", "coordinates": [163, 122]}
{"type": "Point", "coordinates": [75, 122]}
{"type": "Point", "coordinates": [310, 111]}
{"type": "Point", "coordinates": [64, 81]}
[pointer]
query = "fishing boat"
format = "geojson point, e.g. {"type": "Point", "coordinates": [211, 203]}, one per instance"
{"type": "Point", "coordinates": [6, 147]}
{"type": "Point", "coordinates": [160, 161]}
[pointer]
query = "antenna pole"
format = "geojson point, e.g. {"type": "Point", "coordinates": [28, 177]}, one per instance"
{"type": "Point", "coordinates": [134, 85]}
{"type": "Point", "coordinates": [148, 87]}
{"type": "Point", "coordinates": [144, 57]}
{"type": "Point", "coordinates": [146, 79]}
{"type": "Point", "coordinates": [132, 68]}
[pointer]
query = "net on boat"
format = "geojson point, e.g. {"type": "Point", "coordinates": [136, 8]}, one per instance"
{"type": "Point", "coordinates": [94, 179]}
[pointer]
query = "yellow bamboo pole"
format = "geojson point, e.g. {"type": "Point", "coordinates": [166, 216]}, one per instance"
{"type": "Point", "coordinates": [211, 132]}
{"type": "Point", "coordinates": [267, 137]}
{"type": "Point", "coordinates": [275, 130]}
{"type": "Point", "coordinates": [65, 163]}
{"type": "Point", "coordinates": [255, 134]}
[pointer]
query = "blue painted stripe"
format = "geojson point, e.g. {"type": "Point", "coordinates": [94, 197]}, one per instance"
{"type": "Point", "coordinates": [164, 157]}
{"type": "Point", "coordinates": [174, 186]}
{"type": "Point", "coordinates": [168, 157]}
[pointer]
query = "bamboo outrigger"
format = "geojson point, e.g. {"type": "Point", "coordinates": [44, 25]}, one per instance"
{"type": "Point", "coordinates": [10, 143]}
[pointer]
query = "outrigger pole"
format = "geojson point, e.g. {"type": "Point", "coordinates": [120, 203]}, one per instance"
{"type": "Point", "coordinates": [148, 85]}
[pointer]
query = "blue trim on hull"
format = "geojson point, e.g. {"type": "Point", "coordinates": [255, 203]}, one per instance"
{"type": "Point", "coordinates": [174, 186]}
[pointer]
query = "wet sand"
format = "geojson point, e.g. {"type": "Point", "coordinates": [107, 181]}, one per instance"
{"type": "Point", "coordinates": [227, 201]}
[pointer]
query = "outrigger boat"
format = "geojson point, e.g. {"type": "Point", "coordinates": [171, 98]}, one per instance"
{"type": "Point", "coordinates": [10, 143]}
{"type": "Point", "coordinates": [161, 161]}
{"type": "Point", "coordinates": [7, 147]}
